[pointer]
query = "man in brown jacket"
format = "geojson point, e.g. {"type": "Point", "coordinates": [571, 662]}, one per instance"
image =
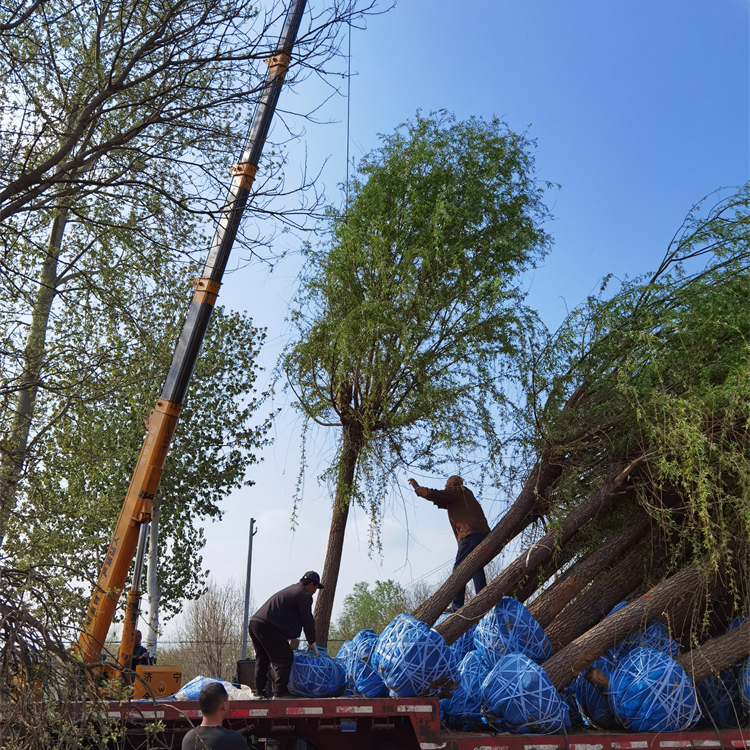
{"type": "Point", "coordinates": [468, 522]}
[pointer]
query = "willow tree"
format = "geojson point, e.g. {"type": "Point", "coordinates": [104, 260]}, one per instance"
{"type": "Point", "coordinates": [408, 315]}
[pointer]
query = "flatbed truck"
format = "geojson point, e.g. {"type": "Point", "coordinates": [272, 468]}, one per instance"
{"type": "Point", "coordinates": [384, 724]}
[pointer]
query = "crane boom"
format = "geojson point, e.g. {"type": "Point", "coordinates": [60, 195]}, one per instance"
{"type": "Point", "coordinates": [136, 509]}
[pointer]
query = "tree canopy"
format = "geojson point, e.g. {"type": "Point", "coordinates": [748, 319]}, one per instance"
{"type": "Point", "coordinates": [410, 313]}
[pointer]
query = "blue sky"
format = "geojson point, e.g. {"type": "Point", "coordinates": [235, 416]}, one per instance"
{"type": "Point", "coordinates": [639, 110]}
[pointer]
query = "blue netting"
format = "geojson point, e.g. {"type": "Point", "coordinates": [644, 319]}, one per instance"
{"type": "Point", "coordinates": [650, 692]}
{"type": "Point", "coordinates": [617, 607]}
{"type": "Point", "coordinates": [744, 680]}
{"type": "Point", "coordinates": [463, 711]}
{"type": "Point", "coordinates": [568, 694]}
{"type": "Point", "coordinates": [344, 656]}
{"type": "Point", "coordinates": [720, 697]}
{"type": "Point", "coordinates": [593, 702]}
{"type": "Point", "coordinates": [655, 636]}
{"type": "Point", "coordinates": [414, 660]}
{"type": "Point", "coordinates": [509, 628]}
{"type": "Point", "coordinates": [191, 690]}
{"type": "Point", "coordinates": [366, 680]}
{"type": "Point", "coordinates": [464, 644]}
{"type": "Point", "coordinates": [517, 696]}
{"type": "Point", "coordinates": [316, 676]}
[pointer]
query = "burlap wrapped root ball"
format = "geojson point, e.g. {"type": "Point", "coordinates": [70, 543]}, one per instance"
{"type": "Point", "coordinates": [517, 696]}
{"type": "Point", "coordinates": [316, 676]}
{"type": "Point", "coordinates": [414, 660]}
{"type": "Point", "coordinates": [509, 628]}
{"type": "Point", "coordinates": [649, 692]}
{"type": "Point", "coordinates": [463, 710]}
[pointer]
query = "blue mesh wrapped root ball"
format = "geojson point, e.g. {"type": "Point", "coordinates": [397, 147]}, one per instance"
{"type": "Point", "coordinates": [316, 676]}
{"type": "Point", "coordinates": [463, 711]}
{"type": "Point", "coordinates": [721, 699]}
{"type": "Point", "coordinates": [464, 644]}
{"type": "Point", "coordinates": [650, 692]}
{"type": "Point", "coordinates": [593, 702]}
{"type": "Point", "coordinates": [744, 680]}
{"type": "Point", "coordinates": [509, 628]}
{"type": "Point", "coordinates": [568, 694]}
{"type": "Point", "coordinates": [655, 636]}
{"type": "Point", "coordinates": [365, 678]}
{"type": "Point", "coordinates": [414, 660]}
{"type": "Point", "coordinates": [517, 696]}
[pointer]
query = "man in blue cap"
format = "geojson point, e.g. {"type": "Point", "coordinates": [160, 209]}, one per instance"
{"type": "Point", "coordinates": [280, 619]}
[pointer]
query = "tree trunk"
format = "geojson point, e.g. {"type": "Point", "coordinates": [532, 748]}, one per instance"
{"type": "Point", "coordinates": [595, 603]}
{"type": "Point", "coordinates": [529, 506]}
{"type": "Point", "coordinates": [152, 583]}
{"type": "Point", "coordinates": [350, 448]}
{"type": "Point", "coordinates": [538, 554]}
{"type": "Point", "coordinates": [15, 452]}
{"type": "Point", "coordinates": [540, 575]}
{"type": "Point", "coordinates": [575, 579]}
{"type": "Point", "coordinates": [717, 654]}
{"type": "Point", "coordinates": [566, 664]}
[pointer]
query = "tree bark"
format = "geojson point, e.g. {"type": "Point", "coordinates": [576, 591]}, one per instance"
{"type": "Point", "coordinates": [529, 506]}
{"type": "Point", "coordinates": [566, 664]}
{"type": "Point", "coordinates": [152, 583]}
{"type": "Point", "coordinates": [575, 579]}
{"type": "Point", "coordinates": [538, 554]}
{"type": "Point", "coordinates": [14, 455]}
{"type": "Point", "coordinates": [350, 448]}
{"type": "Point", "coordinates": [592, 605]}
{"type": "Point", "coordinates": [717, 653]}
{"type": "Point", "coordinates": [540, 575]}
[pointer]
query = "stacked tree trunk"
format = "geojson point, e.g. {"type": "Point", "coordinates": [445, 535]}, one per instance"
{"type": "Point", "coordinates": [640, 490]}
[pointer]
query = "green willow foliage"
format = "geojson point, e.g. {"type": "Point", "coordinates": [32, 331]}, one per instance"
{"type": "Point", "coordinates": [660, 371]}
{"type": "Point", "coordinates": [406, 316]}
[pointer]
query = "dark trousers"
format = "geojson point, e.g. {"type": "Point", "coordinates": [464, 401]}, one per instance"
{"type": "Point", "coordinates": [465, 546]}
{"type": "Point", "coordinates": [271, 647]}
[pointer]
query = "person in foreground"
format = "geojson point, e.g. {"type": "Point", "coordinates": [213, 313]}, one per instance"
{"type": "Point", "coordinates": [281, 618]}
{"type": "Point", "coordinates": [210, 734]}
{"type": "Point", "coordinates": [468, 522]}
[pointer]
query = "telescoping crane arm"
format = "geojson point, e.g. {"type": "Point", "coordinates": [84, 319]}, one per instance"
{"type": "Point", "coordinates": [136, 509]}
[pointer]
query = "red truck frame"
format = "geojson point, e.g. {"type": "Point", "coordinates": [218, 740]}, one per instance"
{"type": "Point", "coordinates": [381, 724]}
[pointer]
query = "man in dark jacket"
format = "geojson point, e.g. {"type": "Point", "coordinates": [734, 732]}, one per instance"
{"type": "Point", "coordinates": [468, 522]}
{"type": "Point", "coordinates": [281, 618]}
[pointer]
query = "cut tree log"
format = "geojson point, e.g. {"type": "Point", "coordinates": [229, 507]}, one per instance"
{"type": "Point", "coordinates": [567, 663]}
{"type": "Point", "coordinates": [529, 506]}
{"type": "Point", "coordinates": [575, 579]}
{"type": "Point", "coordinates": [538, 554]}
{"type": "Point", "coordinates": [593, 604]}
{"type": "Point", "coordinates": [717, 653]}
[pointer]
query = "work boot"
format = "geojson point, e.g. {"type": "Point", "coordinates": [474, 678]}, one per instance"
{"type": "Point", "coordinates": [283, 695]}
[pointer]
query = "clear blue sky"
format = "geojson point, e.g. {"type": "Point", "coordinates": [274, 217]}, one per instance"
{"type": "Point", "coordinates": [639, 109]}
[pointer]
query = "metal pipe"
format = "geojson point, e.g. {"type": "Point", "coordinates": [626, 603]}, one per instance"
{"type": "Point", "coordinates": [246, 619]}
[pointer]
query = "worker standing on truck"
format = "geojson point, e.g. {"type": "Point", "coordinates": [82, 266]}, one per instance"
{"type": "Point", "coordinates": [280, 619]}
{"type": "Point", "coordinates": [210, 734]}
{"type": "Point", "coordinates": [468, 522]}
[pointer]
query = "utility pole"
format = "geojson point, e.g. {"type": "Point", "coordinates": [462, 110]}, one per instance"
{"type": "Point", "coordinates": [246, 619]}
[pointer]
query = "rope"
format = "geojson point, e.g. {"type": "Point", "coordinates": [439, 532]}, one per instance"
{"type": "Point", "coordinates": [517, 696]}
{"type": "Point", "coordinates": [414, 660]}
{"type": "Point", "coordinates": [649, 692]}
